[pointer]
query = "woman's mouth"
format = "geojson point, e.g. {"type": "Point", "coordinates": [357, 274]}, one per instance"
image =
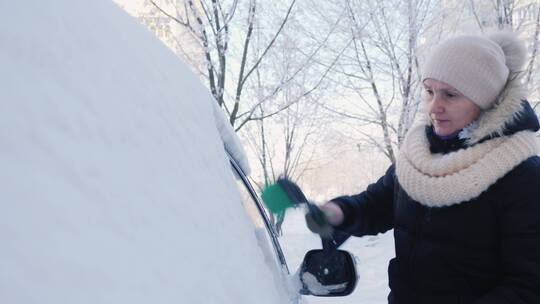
{"type": "Point", "coordinates": [440, 121]}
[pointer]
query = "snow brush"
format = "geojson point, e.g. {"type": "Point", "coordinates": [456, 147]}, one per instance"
{"type": "Point", "coordinates": [285, 194]}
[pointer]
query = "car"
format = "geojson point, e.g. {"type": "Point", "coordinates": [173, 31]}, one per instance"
{"type": "Point", "coordinates": [324, 272]}
{"type": "Point", "coordinates": [118, 175]}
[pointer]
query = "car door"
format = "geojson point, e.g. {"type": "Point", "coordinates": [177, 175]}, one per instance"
{"type": "Point", "coordinates": [264, 231]}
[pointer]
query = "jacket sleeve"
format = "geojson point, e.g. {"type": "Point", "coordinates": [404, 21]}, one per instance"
{"type": "Point", "coordinates": [371, 211]}
{"type": "Point", "coordinates": [519, 222]}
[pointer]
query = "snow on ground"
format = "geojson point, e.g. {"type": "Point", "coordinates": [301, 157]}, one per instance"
{"type": "Point", "coordinates": [372, 252]}
{"type": "Point", "coordinates": [115, 185]}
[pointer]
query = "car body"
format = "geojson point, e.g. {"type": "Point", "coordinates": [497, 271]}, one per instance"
{"type": "Point", "coordinates": [116, 186]}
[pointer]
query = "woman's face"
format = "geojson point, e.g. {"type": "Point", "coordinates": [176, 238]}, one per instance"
{"type": "Point", "coordinates": [448, 109]}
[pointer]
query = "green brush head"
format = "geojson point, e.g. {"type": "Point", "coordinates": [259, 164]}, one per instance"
{"type": "Point", "coordinates": [276, 199]}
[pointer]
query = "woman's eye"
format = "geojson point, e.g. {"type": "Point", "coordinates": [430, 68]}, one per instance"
{"type": "Point", "coordinates": [450, 95]}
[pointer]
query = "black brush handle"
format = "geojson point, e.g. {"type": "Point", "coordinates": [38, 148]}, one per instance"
{"type": "Point", "coordinates": [297, 196]}
{"type": "Point", "coordinates": [292, 190]}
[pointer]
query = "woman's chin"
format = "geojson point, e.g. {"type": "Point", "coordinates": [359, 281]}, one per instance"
{"type": "Point", "coordinates": [443, 131]}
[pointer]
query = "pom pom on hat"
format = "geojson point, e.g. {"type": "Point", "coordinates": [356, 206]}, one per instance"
{"type": "Point", "coordinates": [514, 49]}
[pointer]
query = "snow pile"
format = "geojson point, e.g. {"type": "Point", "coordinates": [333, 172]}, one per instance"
{"type": "Point", "coordinates": [115, 185]}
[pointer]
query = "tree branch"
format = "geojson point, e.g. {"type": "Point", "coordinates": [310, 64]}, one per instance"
{"type": "Point", "coordinates": [186, 24]}
{"type": "Point", "coordinates": [269, 45]}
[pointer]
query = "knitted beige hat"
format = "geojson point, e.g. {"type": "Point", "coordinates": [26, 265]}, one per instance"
{"type": "Point", "coordinates": [477, 66]}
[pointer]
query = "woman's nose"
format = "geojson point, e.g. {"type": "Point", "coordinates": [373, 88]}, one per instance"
{"type": "Point", "coordinates": [436, 105]}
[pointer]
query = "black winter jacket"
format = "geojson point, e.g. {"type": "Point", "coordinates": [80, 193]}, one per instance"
{"type": "Point", "coordinates": [485, 250]}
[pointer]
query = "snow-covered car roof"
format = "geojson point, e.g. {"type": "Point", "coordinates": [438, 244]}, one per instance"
{"type": "Point", "coordinates": [230, 139]}
{"type": "Point", "coordinates": [115, 184]}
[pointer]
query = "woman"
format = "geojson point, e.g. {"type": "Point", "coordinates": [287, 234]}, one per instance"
{"type": "Point", "coordinates": [464, 195]}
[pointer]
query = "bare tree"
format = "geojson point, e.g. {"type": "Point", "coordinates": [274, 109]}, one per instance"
{"type": "Point", "coordinates": [520, 16]}
{"type": "Point", "coordinates": [285, 144]}
{"type": "Point", "coordinates": [223, 33]}
{"type": "Point", "coordinates": [288, 147]}
{"type": "Point", "coordinates": [380, 67]}
{"type": "Point", "coordinates": [533, 66]}
{"type": "Point", "coordinates": [282, 144]}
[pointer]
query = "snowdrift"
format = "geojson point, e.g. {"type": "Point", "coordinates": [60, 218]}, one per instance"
{"type": "Point", "coordinates": [115, 187]}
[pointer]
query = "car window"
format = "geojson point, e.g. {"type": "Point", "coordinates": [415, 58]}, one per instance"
{"type": "Point", "coordinates": [256, 211]}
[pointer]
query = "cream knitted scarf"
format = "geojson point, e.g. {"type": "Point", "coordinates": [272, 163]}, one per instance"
{"type": "Point", "coordinates": [438, 180]}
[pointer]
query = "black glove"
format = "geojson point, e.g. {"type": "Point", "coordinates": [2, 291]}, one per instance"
{"type": "Point", "coordinates": [317, 222]}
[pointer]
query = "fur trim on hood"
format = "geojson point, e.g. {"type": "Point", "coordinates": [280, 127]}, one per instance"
{"type": "Point", "coordinates": [505, 111]}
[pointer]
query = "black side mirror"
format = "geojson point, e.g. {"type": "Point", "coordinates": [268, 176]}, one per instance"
{"type": "Point", "coordinates": [328, 273]}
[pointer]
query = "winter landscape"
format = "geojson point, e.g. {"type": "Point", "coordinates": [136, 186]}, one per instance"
{"type": "Point", "coordinates": [118, 120]}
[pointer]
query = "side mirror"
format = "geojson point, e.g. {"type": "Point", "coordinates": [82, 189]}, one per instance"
{"type": "Point", "coordinates": [328, 273]}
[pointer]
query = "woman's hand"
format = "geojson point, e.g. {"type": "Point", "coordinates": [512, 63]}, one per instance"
{"type": "Point", "coordinates": [333, 212]}
{"type": "Point", "coordinates": [322, 222]}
